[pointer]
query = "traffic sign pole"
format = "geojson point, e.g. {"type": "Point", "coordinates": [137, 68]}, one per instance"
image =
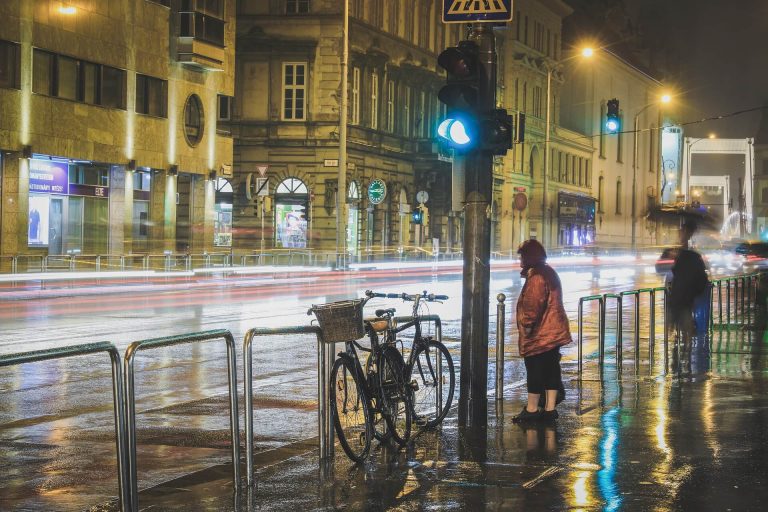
{"type": "Point", "coordinates": [473, 392]}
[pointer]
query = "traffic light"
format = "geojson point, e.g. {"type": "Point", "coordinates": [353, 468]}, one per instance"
{"type": "Point", "coordinates": [612, 118]}
{"type": "Point", "coordinates": [417, 215]}
{"type": "Point", "coordinates": [496, 130]}
{"type": "Point", "coordinates": [460, 94]}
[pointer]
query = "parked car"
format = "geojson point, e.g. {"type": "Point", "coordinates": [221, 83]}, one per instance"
{"type": "Point", "coordinates": [754, 254]}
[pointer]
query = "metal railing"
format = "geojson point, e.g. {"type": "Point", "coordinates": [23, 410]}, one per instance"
{"type": "Point", "coordinates": [500, 298]}
{"type": "Point", "coordinates": [601, 332]}
{"type": "Point", "coordinates": [325, 358]}
{"type": "Point", "coordinates": [117, 398]}
{"type": "Point", "coordinates": [130, 398]}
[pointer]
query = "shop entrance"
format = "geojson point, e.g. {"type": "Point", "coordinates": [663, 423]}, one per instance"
{"type": "Point", "coordinates": [184, 204]}
{"type": "Point", "coordinates": [353, 219]}
{"type": "Point", "coordinates": [291, 213]}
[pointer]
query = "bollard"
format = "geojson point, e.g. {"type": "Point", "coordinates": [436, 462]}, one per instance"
{"type": "Point", "coordinates": [499, 346]}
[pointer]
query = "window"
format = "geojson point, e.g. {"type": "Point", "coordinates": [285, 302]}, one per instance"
{"type": "Point", "coordinates": [393, 16]}
{"type": "Point", "coordinates": [89, 175]}
{"type": "Point", "coordinates": [600, 196]}
{"type": "Point", "coordinates": [294, 88]}
{"type": "Point", "coordinates": [296, 6]}
{"type": "Point", "coordinates": [524, 104]}
{"type": "Point", "coordinates": [194, 120]}
{"type": "Point", "coordinates": [525, 35]}
{"type": "Point", "coordinates": [9, 65]}
{"type": "Point", "coordinates": [151, 96]}
{"type": "Point", "coordinates": [390, 106]}
{"type": "Point", "coordinates": [618, 197]}
{"type": "Point", "coordinates": [407, 113]}
{"type": "Point", "coordinates": [375, 101]}
{"type": "Point", "coordinates": [225, 107]}
{"type": "Point", "coordinates": [587, 176]}
{"type": "Point", "coordinates": [537, 101]}
{"type": "Point", "coordinates": [77, 80]}
{"type": "Point", "coordinates": [42, 72]}
{"type": "Point", "coordinates": [765, 166]}
{"type": "Point", "coordinates": [581, 171]}
{"type": "Point", "coordinates": [421, 120]}
{"type": "Point", "coordinates": [355, 104]}
{"type": "Point", "coordinates": [765, 195]}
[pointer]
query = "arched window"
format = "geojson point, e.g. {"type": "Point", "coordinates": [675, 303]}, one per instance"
{"type": "Point", "coordinates": [291, 212]}
{"type": "Point", "coordinates": [291, 186]}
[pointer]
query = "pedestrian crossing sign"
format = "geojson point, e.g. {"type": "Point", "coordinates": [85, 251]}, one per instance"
{"type": "Point", "coordinates": [464, 11]}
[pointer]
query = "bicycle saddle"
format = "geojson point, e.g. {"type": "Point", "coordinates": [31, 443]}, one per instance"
{"type": "Point", "coordinates": [385, 312]}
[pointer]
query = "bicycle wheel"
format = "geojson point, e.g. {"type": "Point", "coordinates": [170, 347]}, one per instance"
{"type": "Point", "coordinates": [394, 396]}
{"type": "Point", "coordinates": [349, 406]}
{"type": "Point", "coordinates": [380, 428]}
{"type": "Point", "coordinates": [432, 382]}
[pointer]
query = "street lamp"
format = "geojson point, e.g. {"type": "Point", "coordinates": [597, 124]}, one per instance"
{"type": "Point", "coordinates": [585, 53]}
{"type": "Point", "coordinates": [665, 98]}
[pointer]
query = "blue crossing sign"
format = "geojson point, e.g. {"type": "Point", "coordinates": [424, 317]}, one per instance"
{"type": "Point", "coordinates": [463, 11]}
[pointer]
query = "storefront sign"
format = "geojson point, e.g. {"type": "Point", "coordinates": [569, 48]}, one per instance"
{"type": "Point", "coordinates": [377, 191]}
{"type": "Point", "coordinates": [48, 177]}
{"type": "Point", "coordinates": [76, 189]}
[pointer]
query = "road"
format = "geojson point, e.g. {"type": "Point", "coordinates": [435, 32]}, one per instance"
{"type": "Point", "coordinates": [57, 415]}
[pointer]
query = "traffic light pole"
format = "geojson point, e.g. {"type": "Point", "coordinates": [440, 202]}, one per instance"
{"type": "Point", "coordinates": [473, 391]}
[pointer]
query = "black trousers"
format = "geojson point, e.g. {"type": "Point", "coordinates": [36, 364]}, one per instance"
{"type": "Point", "coordinates": [543, 371]}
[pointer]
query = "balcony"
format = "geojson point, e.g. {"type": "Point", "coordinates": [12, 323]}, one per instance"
{"type": "Point", "coordinates": [201, 40]}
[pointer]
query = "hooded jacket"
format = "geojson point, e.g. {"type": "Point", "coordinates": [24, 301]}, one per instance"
{"type": "Point", "coordinates": [541, 319]}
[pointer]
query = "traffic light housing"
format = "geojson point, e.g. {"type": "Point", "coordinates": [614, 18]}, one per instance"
{"type": "Point", "coordinates": [612, 118]}
{"type": "Point", "coordinates": [460, 129]}
{"type": "Point", "coordinates": [497, 132]}
{"type": "Point", "coordinates": [417, 216]}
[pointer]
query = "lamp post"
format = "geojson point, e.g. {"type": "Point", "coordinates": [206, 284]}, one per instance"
{"type": "Point", "coordinates": [585, 53]}
{"type": "Point", "coordinates": [666, 98]}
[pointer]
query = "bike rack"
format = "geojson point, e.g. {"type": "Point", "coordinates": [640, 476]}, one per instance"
{"type": "Point", "coordinates": [619, 334]}
{"type": "Point", "coordinates": [439, 337]}
{"type": "Point", "coordinates": [130, 398]}
{"type": "Point", "coordinates": [325, 356]}
{"type": "Point", "coordinates": [117, 397]}
{"type": "Point", "coordinates": [500, 298]}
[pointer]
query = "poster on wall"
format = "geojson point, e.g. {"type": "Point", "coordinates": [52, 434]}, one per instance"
{"type": "Point", "coordinates": [291, 226]}
{"type": "Point", "coordinates": [48, 177]}
{"type": "Point", "coordinates": [39, 209]}
{"type": "Point", "coordinates": [222, 229]}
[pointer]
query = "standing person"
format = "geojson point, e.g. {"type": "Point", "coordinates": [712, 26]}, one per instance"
{"type": "Point", "coordinates": [688, 285]}
{"type": "Point", "coordinates": [542, 329]}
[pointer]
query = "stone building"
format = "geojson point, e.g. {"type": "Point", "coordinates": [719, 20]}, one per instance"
{"type": "Point", "coordinates": [286, 121]}
{"type": "Point", "coordinates": [108, 125]}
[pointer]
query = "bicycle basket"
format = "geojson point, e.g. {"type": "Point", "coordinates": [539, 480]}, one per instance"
{"type": "Point", "coordinates": [340, 321]}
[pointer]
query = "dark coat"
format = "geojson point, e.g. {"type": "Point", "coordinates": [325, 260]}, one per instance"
{"type": "Point", "coordinates": [540, 311]}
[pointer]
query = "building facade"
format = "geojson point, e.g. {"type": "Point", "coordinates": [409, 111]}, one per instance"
{"type": "Point", "coordinates": [108, 125]}
{"type": "Point", "coordinates": [286, 124]}
{"type": "Point", "coordinates": [625, 164]}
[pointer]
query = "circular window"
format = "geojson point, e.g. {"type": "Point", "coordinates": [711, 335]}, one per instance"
{"type": "Point", "coordinates": [194, 120]}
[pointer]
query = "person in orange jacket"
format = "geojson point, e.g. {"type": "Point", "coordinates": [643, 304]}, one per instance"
{"type": "Point", "coordinates": [542, 329]}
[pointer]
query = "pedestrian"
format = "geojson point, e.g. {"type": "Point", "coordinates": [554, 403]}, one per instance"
{"type": "Point", "coordinates": [688, 287]}
{"type": "Point", "coordinates": [542, 329]}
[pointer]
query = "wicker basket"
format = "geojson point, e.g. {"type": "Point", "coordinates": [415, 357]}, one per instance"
{"type": "Point", "coordinates": [340, 321]}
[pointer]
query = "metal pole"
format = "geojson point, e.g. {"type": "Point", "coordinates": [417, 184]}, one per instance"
{"type": "Point", "coordinates": [545, 186]}
{"type": "Point", "coordinates": [666, 333]}
{"type": "Point", "coordinates": [652, 330]}
{"type": "Point", "coordinates": [619, 334]}
{"type": "Point", "coordinates": [601, 339]}
{"type": "Point", "coordinates": [634, 181]}
{"type": "Point", "coordinates": [728, 301]}
{"type": "Point", "coordinates": [473, 392]}
{"type": "Point", "coordinates": [637, 332]}
{"type": "Point", "coordinates": [248, 388]}
{"type": "Point", "coordinates": [720, 300]}
{"type": "Point", "coordinates": [341, 192]}
{"type": "Point", "coordinates": [499, 346]}
{"type": "Point", "coordinates": [581, 335]}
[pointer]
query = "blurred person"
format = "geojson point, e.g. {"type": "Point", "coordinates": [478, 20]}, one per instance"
{"type": "Point", "coordinates": [542, 329]}
{"type": "Point", "coordinates": [688, 288]}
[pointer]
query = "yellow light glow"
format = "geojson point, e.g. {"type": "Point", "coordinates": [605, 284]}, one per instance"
{"type": "Point", "coordinates": [67, 8]}
{"type": "Point", "coordinates": [666, 98]}
{"type": "Point", "coordinates": [677, 192]}
{"type": "Point", "coordinates": [712, 135]}
{"type": "Point", "coordinates": [671, 175]}
{"type": "Point", "coordinates": [587, 52]}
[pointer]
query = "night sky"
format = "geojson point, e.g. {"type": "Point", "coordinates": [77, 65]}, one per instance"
{"type": "Point", "coordinates": [719, 61]}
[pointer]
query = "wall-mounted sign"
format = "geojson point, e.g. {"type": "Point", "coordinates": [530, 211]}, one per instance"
{"type": "Point", "coordinates": [48, 177]}
{"type": "Point", "coordinates": [262, 169]}
{"type": "Point", "coordinates": [330, 163]}
{"type": "Point", "coordinates": [463, 11]}
{"type": "Point", "coordinates": [225, 170]}
{"type": "Point", "coordinates": [520, 202]}
{"type": "Point", "coordinates": [377, 191]}
{"type": "Point", "coordinates": [422, 196]}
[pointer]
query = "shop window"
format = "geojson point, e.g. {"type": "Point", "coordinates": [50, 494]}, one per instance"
{"type": "Point", "coordinates": [294, 90]}
{"type": "Point", "coordinates": [193, 120]}
{"type": "Point", "coordinates": [9, 65]}
{"type": "Point", "coordinates": [222, 226]}
{"type": "Point", "coordinates": [291, 207]}
{"type": "Point", "coordinates": [151, 96]}
{"type": "Point", "coordinates": [89, 175]}
{"type": "Point", "coordinates": [142, 181]}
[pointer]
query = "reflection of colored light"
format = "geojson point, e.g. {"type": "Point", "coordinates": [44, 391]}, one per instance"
{"type": "Point", "coordinates": [580, 494]}
{"type": "Point", "coordinates": [606, 477]}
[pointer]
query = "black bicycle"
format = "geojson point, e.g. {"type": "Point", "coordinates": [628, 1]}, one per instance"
{"type": "Point", "coordinates": [371, 402]}
{"type": "Point", "coordinates": [429, 367]}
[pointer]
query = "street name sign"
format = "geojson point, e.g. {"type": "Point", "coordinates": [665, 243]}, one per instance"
{"type": "Point", "coordinates": [463, 11]}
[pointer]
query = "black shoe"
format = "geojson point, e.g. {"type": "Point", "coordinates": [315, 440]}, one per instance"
{"type": "Point", "coordinates": [524, 415]}
{"type": "Point", "coordinates": [549, 415]}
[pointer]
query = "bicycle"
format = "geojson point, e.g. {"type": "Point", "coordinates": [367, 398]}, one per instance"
{"type": "Point", "coordinates": [429, 368]}
{"type": "Point", "coordinates": [361, 399]}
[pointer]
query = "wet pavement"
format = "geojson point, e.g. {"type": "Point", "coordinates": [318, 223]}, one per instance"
{"type": "Point", "coordinates": [694, 439]}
